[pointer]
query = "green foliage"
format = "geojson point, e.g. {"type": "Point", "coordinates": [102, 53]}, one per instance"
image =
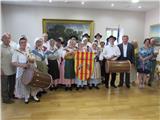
{"type": "Point", "coordinates": [61, 31]}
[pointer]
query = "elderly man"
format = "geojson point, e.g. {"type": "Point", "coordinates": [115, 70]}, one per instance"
{"type": "Point", "coordinates": [7, 70]}
{"type": "Point", "coordinates": [127, 53]}
{"type": "Point", "coordinates": [155, 53]}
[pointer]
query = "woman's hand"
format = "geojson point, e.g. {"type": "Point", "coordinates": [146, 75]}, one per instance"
{"type": "Point", "coordinates": [25, 66]}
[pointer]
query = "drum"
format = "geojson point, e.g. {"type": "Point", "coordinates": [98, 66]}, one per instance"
{"type": "Point", "coordinates": [36, 78]}
{"type": "Point", "coordinates": [117, 66]}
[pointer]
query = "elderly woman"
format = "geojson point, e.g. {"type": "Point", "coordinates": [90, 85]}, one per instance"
{"type": "Point", "coordinates": [39, 54]}
{"type": "Point", "coordinates": [20, 60]}
{"type": "Point", "coordinates": [69, 73]}
{"type": "Point", "coordinates": [144, 62]}
{"type": "Point", "coordinates": [96, 76]}
{"type": "Point", "coordinates": [41, 59]}
{"type": "Point", "coordinates": [53, 56]}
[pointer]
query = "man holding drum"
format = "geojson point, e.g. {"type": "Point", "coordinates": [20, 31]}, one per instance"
{"type": "Point", "coordinates": [110, 52]}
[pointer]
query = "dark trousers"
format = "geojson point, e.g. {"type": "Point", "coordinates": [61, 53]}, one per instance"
{"type": "Point", "coordinates": [102, 63]}
{"type": "Point", "coordinates": [113, 78]}
{"type": "Point", "coordinates": [7, 86]}
{"type": "Point", "coordinates": [127, 79]}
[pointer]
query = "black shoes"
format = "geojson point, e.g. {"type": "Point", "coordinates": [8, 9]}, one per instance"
{"type": "Point", "coordinates": [107, 86]}
{"type": "Point", "coordinates": [43, 92]}
{"type": "Point", "coordinates": [128, 86]}
{"type": "Point", "coordinates": [96, 87]}
{"type": "Point", "coordinates": [120, 85]}
{"type": "Point", "coordinates": [55, 88]}
{"type": "Point", "coordinates": [114, 86]}
{"type": "Point", "coordinates": [51, 88]}
{"type": "Point", "coordinates": [77, 88]}
{"type": "Point", "coordinates": [26, 101]}
{"type": "Point", "coordinates": [90, 87]}
{"type": "Point", "coordinates": [68, 88]}
{"type": "Point", "coordinates": [149, 84]}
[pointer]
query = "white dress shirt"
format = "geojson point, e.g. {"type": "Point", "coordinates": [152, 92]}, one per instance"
{"type": "Point", "coordinates": [109, 51]}
{"type": "Point", "coordinates": [125, 50]}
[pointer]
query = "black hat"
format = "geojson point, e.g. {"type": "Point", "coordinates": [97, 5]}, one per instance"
{"type": "Point", "coordinates": [98, 34]}
{"type": "Point", "coordinates": [73, 36]}
{"type": "Point", "coordinates": [86, 35]}
{"type": "Point", "coordinates": [111, 37]}
{"type": "Point", "coordinates": [59, 40]}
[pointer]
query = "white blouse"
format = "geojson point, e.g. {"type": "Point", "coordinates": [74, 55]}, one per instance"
{"type": "Point", "coordinates": [109, 51]}
{"type": "Point", "coordinates": [19, 58]}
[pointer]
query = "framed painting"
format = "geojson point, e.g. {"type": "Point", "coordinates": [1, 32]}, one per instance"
{"type": "Point", "coordinates": [155, 33]}
{"type": "Point", "coordinates": [65, 28]}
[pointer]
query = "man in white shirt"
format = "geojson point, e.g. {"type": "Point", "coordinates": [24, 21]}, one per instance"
{"type": "Point", "coordinates": [110, 52]}
{"type": "Point", "coordinates": [127, 53]}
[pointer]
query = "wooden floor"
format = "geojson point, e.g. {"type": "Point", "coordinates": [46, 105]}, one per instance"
{"type": "Point", "coordinates": [103, 104]}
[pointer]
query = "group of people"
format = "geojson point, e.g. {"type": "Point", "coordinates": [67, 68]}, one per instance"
{"type": "Point", "coordinates": [52, 57]}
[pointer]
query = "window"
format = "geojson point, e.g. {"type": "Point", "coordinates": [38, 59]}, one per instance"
{"type": "Point", "coordinates": [116, 32]}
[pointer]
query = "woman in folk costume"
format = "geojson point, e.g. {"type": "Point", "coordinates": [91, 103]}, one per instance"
{"type": "Point", "coordinates": [98, 37]}
{"type": "Point", "coordinates": [87, 45]}
{"type": "Point", "coordinates": [61, 61]}
{"type": "Point", "coordinates": [69, 72]}
{"type": "Point", "coordinates": [53, 68]}
{"type": "Point", "coordinates": [20, 60]}
{"type": "Point", "coordinates": [80, 83]}
{"type": "Point", "coordinates": [96, 76]}
{"type": "Point", "coordinates": [41, 59]}
{"type": "Point", "coordinates": [110, 52]}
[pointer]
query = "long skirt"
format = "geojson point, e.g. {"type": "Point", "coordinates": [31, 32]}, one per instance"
{"type": "Point", "coordinates": [69, 72]}
{"type": "Point", "coordinates": [21, 90]}
{"type": "Point", "coordinates": [53, 69]}
{"type": "Point", "coordinates": [41, 66]}
{"type": "Point", "coordinates": [96, 76]}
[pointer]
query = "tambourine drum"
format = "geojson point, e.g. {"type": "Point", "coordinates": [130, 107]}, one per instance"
{"type": "Point", "coordinates": [117, 66]}
{"type": "Point", "coordinates": [36, 78]}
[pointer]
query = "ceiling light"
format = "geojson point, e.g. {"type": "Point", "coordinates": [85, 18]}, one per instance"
{"type": "Point", "coordinates": [50, 1]}
{"type": "Point", "coordinates": [65, 0]}
{"type": "Point", "coordinates": [135, 1]}
{"type": "Point", "coordinates": [112, 5]}
{"type": "Point", "coordinates": [82, 2]}
{"type": "Point", "coordinates": [139, 7]}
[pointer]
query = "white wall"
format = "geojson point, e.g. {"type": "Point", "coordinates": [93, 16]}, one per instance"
{"type": "Point", "coordinates": [27, 20]}
{"type": "Point", "coordinates": [151, 17]}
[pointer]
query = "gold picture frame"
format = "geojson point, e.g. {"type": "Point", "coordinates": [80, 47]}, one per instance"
{"type": "Point", "coordinates": [57, 27]}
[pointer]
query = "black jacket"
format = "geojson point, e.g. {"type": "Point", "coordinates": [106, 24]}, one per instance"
{"type": "Point", "coordinates": [130, 53]}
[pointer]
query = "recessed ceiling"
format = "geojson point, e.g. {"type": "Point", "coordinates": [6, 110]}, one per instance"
{"type": "Point", "coordinates": [142, 5]}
